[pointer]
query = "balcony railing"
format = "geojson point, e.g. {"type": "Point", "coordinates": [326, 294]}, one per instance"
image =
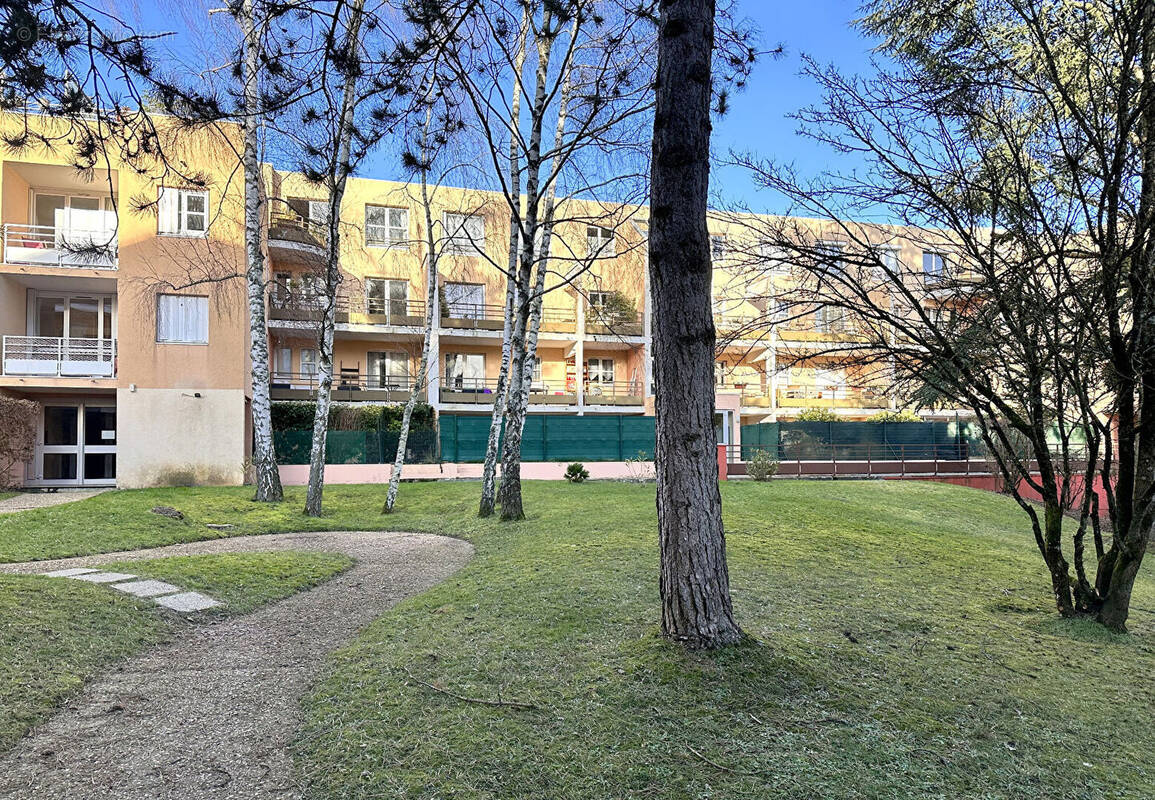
{"type": "Point", "coordinates": [492, 317]}
{"type": "Point", "coordinates": [348, 385]}
{"type": "Point", "coordinates": [49, 356]}
{"type": "Point", "coordinates": [831, 397]}
{"type": "Point", "coordinates": [77, 245]}
{"type": "Point", "coordinates": [286, 225]}
{"type": "Point", "coordinates": [405, 311]}
{"type": "Point", "coordinates": [614, 393]}
{"type": "Point", "coordinates": [614, 322]}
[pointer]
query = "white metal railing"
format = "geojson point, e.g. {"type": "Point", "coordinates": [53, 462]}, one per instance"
{"type": "Point", "coordinates": [92, 245]}
{"type": "Point", "coordinates": [64, 357]}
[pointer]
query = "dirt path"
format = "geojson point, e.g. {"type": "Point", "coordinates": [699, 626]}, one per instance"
{"type": "Point", "coordinates": [25, 501]}
{"type": "Point", "coordinates": [211, 714]}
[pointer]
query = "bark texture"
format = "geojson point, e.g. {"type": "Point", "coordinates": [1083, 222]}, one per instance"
{"type": "Point", "coordinates": [694, 581]}
{"type": "Point", "coordinates": [266, 478]}
{"type": "Point", "coordinates": [337, 179]}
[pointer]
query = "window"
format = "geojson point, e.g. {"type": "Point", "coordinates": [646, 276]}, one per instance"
{"type": "Point", "coordinates": [600, 370]}
{"type": "Point", "coordinates": [465, 300]}
{"type": "Point", "coordinates": [386, 296]}
{"type": "Point", "coordinates": [537, 369]}
{"type": "Point", "coordinates": [284, 361]}
{"type": "Point", "coordinates": [389, 371]}
{"type": "Point", "coordinates": [182, 319]}
{"type": "Point", "coordinates": [465, 234]}
{"type": "Point", "coordinates": [776, 259]}
{"type": "Point", "coordinates": [599, 301]}
{"type": "Point", "coordinates": [717, 247]}
{"type": "Point", "coordinates": [464, 371]}
{"type": "Point", "coordinates": [890, 261]}
{"type": "Point", "coordinates": [282, 281]}
{"type": "Point", "coordinates": [318, 212]}
{"type": "Point", "coordinates": [308, 362]}
{"type": "Point", "coordinates": [386, 227]}
{"type": "Point", "coordinates": [933, 267]}
{"type": "Point", "coordinates": [719, 373]}
{"type": "Point", "coordinates": [833, 257]}
{"type": "Point", "coordinates": [599, 241]}
{"type": "Point", "coordinates": [182, 212]}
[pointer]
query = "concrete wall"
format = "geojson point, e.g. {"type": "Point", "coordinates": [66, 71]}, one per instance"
{"type": "Point", "coordinates": [169, 436]}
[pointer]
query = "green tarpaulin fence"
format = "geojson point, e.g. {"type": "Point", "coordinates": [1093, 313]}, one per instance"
{"type": "Point", "coordinates": [356, 447]}
{"type": "Point", "coordinates": [845, 441]}
{"type": "Point", "coordinates": [600, 437]}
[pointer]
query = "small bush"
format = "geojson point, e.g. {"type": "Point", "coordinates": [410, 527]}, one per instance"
{"type": "Point", "coordinates": [576, 472]}
{"type": "Point", "coordinates": [906, 415]}
{"type": "Point", "coordinates": [817, 415]}
{"type": "Point", "coordinates": [297, 415]}
{"type": "Point", "coordinates": [639, 469]}
{"type": "Point", "coordinates": [762, 466]}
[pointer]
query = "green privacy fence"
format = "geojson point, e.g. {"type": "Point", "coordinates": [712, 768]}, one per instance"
{"type": "Point", "coordinates": [356, 447]}
{"type": "Point", "coordinates": [601, 437]}
{"type": "Point", "coordinates": [813, 441]}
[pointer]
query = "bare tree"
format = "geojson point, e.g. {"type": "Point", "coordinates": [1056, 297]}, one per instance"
{"type": "Point", "coordinates": [694, 582]}
{"type": "Point", "coordinates": [1012, 146]}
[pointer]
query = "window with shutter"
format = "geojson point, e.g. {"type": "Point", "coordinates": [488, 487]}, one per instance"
{"type": "Point", "coordinates": [182, 212]}
{"type": "Point", "coordinates": [182, 319]}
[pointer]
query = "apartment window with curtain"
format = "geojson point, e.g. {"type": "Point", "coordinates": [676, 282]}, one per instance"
{"type": "Point", "coordinates": [386, 226]}
{"type": "Point", "coordinates": [599, 241]}
{"type": "Point", "coordinates": [182, 319]}
{"type": "Point", "coordinates": [386, 296]}
{"type": "Point", "coordinates": [464, 234]}
{"type": "Point", "coordinates": [308, 362]}
{"type": "Point", "coordinates": [389, 370]}
{"type": "Point", "coordinates": [600, 370]}
{"type": "Point", "coordinates": [182, 212]}
{"type": "Point", "coordinates": [464, 371]}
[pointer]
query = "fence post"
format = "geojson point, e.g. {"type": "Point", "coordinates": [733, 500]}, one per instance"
{"type": "Point", "coordinates": [722, 473]}
{"type": "Point", "coordinates": [544, 437]}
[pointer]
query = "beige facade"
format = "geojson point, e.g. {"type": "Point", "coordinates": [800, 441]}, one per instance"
{"type": "Point", "coordinates": [138, 348]}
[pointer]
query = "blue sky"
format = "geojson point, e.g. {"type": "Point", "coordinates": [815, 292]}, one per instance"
{"type": "Point", "coordinates": [758, 120]}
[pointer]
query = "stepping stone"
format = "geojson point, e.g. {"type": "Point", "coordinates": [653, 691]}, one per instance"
{"type": "Point", "coordinates": [103, 577]}
{"type": "Point", "coordinates": [69, 573]}
{"type": "Point", "coordinates": [146, 588]}
{"type": "Point", "coordinates": [187, 601]}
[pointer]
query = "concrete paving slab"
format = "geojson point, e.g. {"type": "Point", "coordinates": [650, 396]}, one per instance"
{"type": "Point", "coordinates": [69, 573]}
{"type": "Point", "coordinates": [103, 577]}
{"type": "Point", "coordinates": [187, 601]}
{"type": "Point", "coordinates": [146, 588]}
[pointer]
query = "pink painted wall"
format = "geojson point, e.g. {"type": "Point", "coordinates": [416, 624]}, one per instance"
{"type": "Point", "coordinates": [298, 474]}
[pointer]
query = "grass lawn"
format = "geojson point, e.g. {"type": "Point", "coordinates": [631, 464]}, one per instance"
{"type": "Point", "coordinates": [57, 633]}
{"type": "Point", "coordinates": [905, 646]}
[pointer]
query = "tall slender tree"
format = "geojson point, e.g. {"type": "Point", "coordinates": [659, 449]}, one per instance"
{"type": "Point", "coordinates": [694, 583]}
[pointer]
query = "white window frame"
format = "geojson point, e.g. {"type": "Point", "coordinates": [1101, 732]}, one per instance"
{"type": "Point", "coordinates": [394, 232]}
{"type": "Point", "coordinates": [836, 252]}
{"type": "Point", "coordinates": [935, 259]}
{"type": "Point", "coordinates": [388, 369]}
{"type": "Point", "coordinates": [173, 215]}
{"type": "Point", "coordinates": [460, 309]}
{"type": "Point", "coordinates": [308, 362]}
{"type": "Point", "coordinates": [458, 239]}
{"type": "Point", "coordinates": [599, 365]}
{"type": "Point", "coordinates": [200, 303]}
{"type": "Point", "coordinates": [600, 242]}
{"type": "Point", "coordinates": [458, 381]}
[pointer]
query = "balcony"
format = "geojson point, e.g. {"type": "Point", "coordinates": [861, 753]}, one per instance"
{"type": "Point", "coordinates": [348, 386]}
{"type": "Point", "coordinates": [81, 241]}
{"type": "Point", "coordinates": [483, 390]}
{"type": "Point", "coordinates": [52, 357]}
{"type": "Point", "coordinates": [378, 311]}
{"type": "Point", "coordinates": [615, 322]}
{"type": "Point", "coordinates": [293, 239]}
{"type": "Point", "coordinates": [754, 394]}
{"type": "Point", "coordinates": [831, 397]}
{"type": "Point", "coordinates": [614, 393]}
{"type": "Point", "coordinates": [477, 316]}
{"type": "Point", "coordinates": [300, 307]}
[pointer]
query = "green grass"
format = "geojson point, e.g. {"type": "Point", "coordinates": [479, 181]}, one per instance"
{"type": "Point", "coordinates": [58, 633]}
{"type": "Point", "coordinates": [905, 646]}
{"type": "Point", "coordinates": [6, 495]}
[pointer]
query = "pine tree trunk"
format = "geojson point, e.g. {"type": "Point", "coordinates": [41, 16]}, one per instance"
{"type": "Point", "coordinates": [694, 582]}
{"type": "Point", "coordinates": [266, 476]}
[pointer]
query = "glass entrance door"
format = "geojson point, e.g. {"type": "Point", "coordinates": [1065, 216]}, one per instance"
{"type": "Point", "coordinates": [76, 446]}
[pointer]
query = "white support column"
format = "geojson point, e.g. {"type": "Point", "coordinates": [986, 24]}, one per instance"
{"type": "Point", "coordinates": [579, 353]}
{"type": "Point", "coordinates": [772, 369]}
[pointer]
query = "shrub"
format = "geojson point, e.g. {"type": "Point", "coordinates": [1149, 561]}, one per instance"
{"type": "Point", "coordinates": [817, 415]}
{"type": "Point", "coordinates": [617, 309]}
{"type": "Point", "coordinates": [18, 422]}
{"type": "Point", "coordinates": [297, 415]}
{"type": "Point", "coordinates": [762, 466]}
{"type": "Point", "coordinates": [576, 472]}
{"type": "Point", "coordinates": [906, 415]}
{"type": "Point", "coordinates": [639, 469]}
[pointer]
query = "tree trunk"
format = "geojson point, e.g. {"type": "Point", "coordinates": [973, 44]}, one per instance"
{"type": "Point", "coordinates": [338, 175]}
{"type": "Point", "coordinates": [430, 310]}
{"type": "Point", "coordinates": [694, 582]}
{"type": "Point", "coordinates": [266, 476]}
{"type": "Point", "coordinates": [489, 471]}
{"type": "Point", "coordinates": [509, 495]}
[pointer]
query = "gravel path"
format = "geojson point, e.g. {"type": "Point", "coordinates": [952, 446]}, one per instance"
{"type": "Point", "coordinates": [211, 714]}
{"type": "Point", "coordinates": [29, 500]}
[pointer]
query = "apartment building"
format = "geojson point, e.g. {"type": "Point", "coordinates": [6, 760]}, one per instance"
{"type": "Point", "coordinates": [114, 315]}
{"type": "Point", "coordinates": [138, 348]}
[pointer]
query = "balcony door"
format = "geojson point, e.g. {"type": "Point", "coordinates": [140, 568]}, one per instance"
{"type": "Point", "coordinates": [76, 446]}
{"type": "Point", "coordinates": [70, 223]}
